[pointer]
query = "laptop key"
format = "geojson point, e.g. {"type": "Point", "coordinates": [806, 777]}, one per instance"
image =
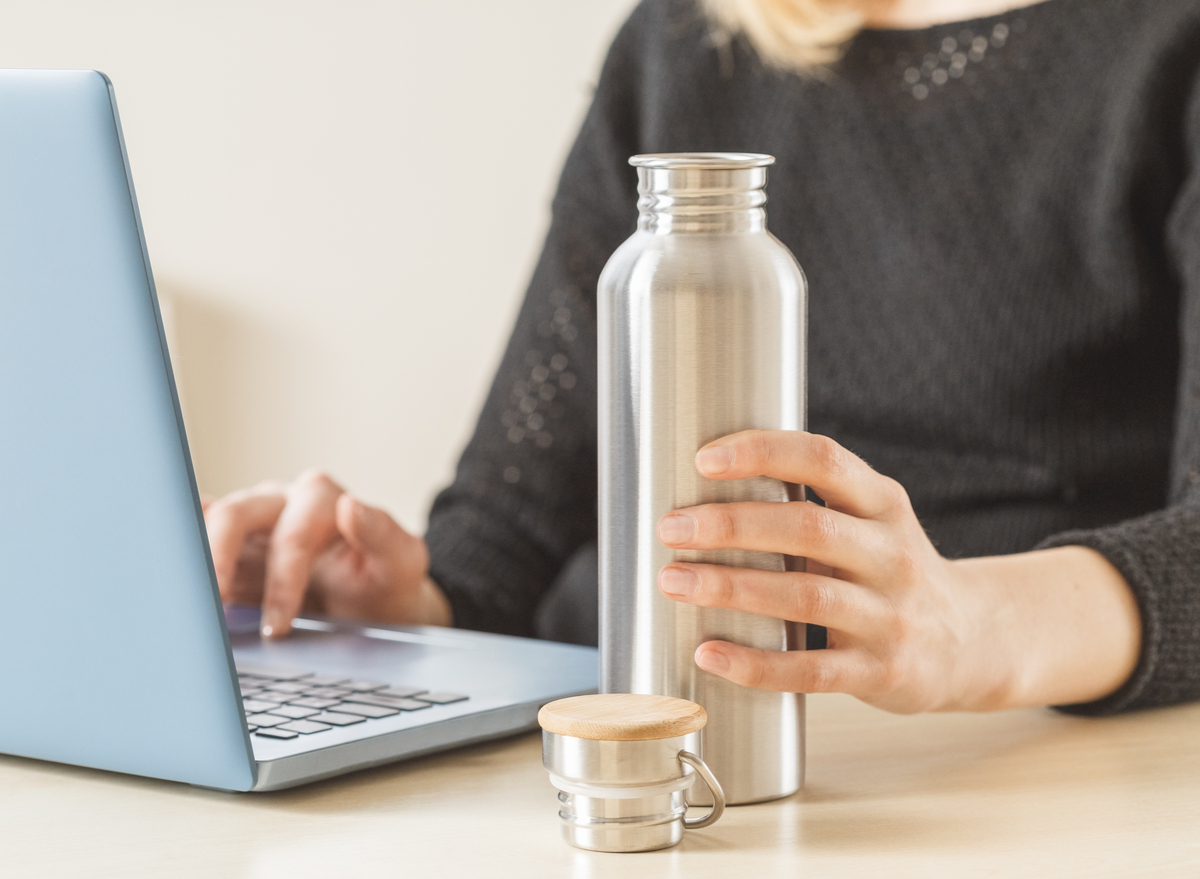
{"type": "Point", "coordinates": [372, 699]}
{"type": "Point", "coordinates": [273, 674]}
{"type": "Point", "coordinates": [337, 718]}
{"type": "Point", "coordinates": [364, 686]}
{"type": "Point", "coordinates": [326, 680]}
{"type": "Point", "coordinates": [442, 698]}
{"type": "Point", "coordinates": [410, 704]}
{"type": "Point", "coordinates": [288, 687]}
{"type": "Point", "coordinates": [296, 712]}
{"type": "Point", "coordinates": [249, 692]}
{"type": "Point", "coordinates": [400, 692]}
{"type": "Point", "coordinates": [312, 702]}
{"type": "Point", "coordinates": [252, 727]}
{"type": "Point", "coordinates": [281, 698]}
{"type": "Point", "coordinates": [265, 720]}
{"type": "Point", "coordinates": [327, 692]}
{"type": "Point", "coordinates": [276, 733]}
{"type": "Point", "coordinates": [367, 710]}
{"type": "Point", "coordinates": [304, 727]}
{"type": "Point", "coordinates": [257, 706]}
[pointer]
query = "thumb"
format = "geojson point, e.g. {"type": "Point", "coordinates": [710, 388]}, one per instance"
{"type": "Point", "coordinates": [372, 532]}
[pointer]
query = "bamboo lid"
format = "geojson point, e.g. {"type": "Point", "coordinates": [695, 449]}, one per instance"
{"type": "Point", "coordinates": [622, 717]}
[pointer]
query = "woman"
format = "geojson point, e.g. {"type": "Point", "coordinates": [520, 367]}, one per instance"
{"type": "Point", "coordinates": [998, 208]}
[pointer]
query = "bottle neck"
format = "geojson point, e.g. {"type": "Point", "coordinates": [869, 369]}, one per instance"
{"type": "Point", "coordinates": [699, 199]}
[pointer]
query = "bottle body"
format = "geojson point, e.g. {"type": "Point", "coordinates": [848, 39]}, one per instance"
{"type": "Point", "coordinates": [701, 334]}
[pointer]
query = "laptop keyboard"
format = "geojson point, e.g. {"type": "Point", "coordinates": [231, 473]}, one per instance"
{"type": "Point", "coordinates": [285, 704]}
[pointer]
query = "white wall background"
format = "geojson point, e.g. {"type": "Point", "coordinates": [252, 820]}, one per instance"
{"type": "Point", "coordinates": [342, 202]}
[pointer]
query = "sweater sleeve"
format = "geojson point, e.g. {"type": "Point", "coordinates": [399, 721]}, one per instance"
{"type": "Point", "coordinates": [1159, 553]}
{"type": "Point", "coordinates": [524, 496]}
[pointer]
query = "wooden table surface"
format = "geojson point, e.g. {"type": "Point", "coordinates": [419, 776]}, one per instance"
{"type": "Point", "coordinates": [1022, 794]}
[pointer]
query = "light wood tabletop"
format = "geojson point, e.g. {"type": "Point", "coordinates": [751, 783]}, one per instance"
{"type": "Point", "coordinates": [1022, 794]}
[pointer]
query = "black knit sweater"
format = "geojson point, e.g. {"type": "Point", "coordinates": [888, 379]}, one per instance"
{"type": "Point", "coordinates": [1000, 224]}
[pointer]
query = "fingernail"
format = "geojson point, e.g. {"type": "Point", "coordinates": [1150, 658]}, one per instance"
{"type": "Point", "coordinates": [712, 660]}
{"type": "Point", "coordinates": [272, 623]}
{"type": "Point", "coordinates": [714, 459]}
{"type": "Point", "coordinates": [676, 529]}
{"type": "Point", "coordinates": [678, 581]}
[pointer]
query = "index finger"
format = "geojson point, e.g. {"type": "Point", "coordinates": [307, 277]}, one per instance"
{"type": "Point", "coordinates": [232, 519]}
{"type": "Point", "coordinates": [305, 526]}
{"type": "Point", "coordinates": [843, 480]}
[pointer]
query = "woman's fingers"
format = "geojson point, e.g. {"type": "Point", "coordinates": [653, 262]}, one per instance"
{"type": "Point", "coordinates": [377, 536]}
{"type": "Point", "coordinates": [799, 529]}
{"type": "Point", "coordinates": [274, 544]}
{"type": "Point", "coordinates": [845, 481]}
{"type": "Point", "coordinates": [799, 597]}
{"type": "Point", "coordinates": [789, 671]}
{"type": "Point", "coordinates": [232, 519]}
{"type": "Point", "coordinates": [303, 530]}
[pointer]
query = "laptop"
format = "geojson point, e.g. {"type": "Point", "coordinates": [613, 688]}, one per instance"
{"type": "Point", "coordinates": [115, 651]}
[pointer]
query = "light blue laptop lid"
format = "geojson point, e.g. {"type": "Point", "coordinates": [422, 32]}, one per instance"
{"type": "Point", "coordinates": [113, 651]}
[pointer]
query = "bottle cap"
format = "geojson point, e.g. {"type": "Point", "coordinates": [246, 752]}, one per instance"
{"type": "Point", "coordinates": [622, 717]}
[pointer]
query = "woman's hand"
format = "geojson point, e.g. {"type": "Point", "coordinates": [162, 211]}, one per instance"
{"type": "Point", "coordinates": [310, 545]}
{"type": "Point", "coordinates": [908, 629]}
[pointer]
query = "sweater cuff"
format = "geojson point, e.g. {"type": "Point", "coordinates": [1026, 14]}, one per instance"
{"type": "Point", "coordinates": [489, 587]}
{"type": "Point", "coordinates": [1159, 556]}
{"type": "Point", "coordinates": [1122, 557]}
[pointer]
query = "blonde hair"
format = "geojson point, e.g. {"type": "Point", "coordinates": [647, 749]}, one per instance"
{"type": "Point", "coordinates": [803, 36]}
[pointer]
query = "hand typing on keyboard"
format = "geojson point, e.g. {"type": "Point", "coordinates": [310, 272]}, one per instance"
{"type": "Point", "coordinates": [309, 545]}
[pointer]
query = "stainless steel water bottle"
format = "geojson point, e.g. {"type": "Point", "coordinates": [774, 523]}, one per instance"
{"type": "Point", "coordinates": [701, 334]}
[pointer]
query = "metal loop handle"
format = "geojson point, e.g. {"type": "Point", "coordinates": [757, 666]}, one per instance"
{"type": "Point", "coordinates": [714, 787]}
